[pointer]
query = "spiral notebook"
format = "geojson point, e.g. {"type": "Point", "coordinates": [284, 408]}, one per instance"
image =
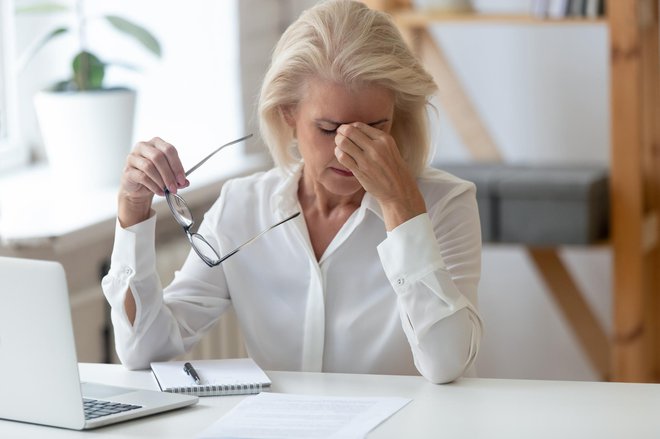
{"type": "Point", "coordinates": [236, 376]}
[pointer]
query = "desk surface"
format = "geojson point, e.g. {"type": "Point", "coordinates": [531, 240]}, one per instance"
{"type": "Point", "coordinates": [470, 408]}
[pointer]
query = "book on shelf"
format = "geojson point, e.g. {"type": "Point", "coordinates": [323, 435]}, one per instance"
{"type": "Point", "coordinates": [591, 9]}
{"type": "Point", "coordinates": [236, 376]}
{"type": "Point", "coordinates": [559, 9]}
{"type": "Point", "coordinates": [576, 8]}
{"type": "Point", "coordinates": [540, 8]}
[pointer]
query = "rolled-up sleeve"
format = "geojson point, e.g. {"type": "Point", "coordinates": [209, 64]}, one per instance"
{"type": "Point", "coordinates": [167, 322]}
{"type": "Point", "coordinates": [433, 263]}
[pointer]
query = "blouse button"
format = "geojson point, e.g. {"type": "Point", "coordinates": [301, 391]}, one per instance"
{"type": "Point", "coordinates": [400, 281]}
{"type": "Point", "coordinates": [128, 271]}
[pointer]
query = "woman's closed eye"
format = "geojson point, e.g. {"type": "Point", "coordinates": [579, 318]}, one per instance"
{"type": "Point", "coordinates": [328, 132]}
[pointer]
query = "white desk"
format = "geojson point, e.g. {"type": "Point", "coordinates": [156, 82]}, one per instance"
{"type": "Point", "coordinates": [469, 408]}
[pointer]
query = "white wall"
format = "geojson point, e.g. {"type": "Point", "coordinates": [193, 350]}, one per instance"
{"type": "Point", "coordinates": [542, 91]}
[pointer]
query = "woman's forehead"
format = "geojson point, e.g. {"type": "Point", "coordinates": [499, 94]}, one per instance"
{"type": "Point", "coordinates": [336, 102]}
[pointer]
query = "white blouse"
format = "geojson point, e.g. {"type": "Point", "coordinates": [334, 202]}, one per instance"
{"type": "Point", "coordinates": [402, 302]}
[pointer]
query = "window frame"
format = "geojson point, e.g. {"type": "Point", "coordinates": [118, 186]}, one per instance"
{"type": "Point", "coordinates": [13, 151]}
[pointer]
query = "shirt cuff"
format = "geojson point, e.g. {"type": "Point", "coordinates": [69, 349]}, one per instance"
{"type": "Point", "coordinates": [133, 256]}
{"type": "Point", "coordinates": [410, 252]}
{"type": "Point", "coordinates": [134, 249]}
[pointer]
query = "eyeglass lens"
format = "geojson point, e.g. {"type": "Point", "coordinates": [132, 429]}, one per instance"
{"type": "Point", "coordinates": [203, 248]}
{"type": "Point", "coordinates": [180, 209]}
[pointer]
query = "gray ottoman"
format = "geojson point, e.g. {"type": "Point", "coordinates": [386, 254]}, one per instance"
{"type": "Point", "coordinates": [550, 205]}
{"type": "Point", "coordinates": [538, 205]}
{"type": "Point", "coordinates": [485, 177]}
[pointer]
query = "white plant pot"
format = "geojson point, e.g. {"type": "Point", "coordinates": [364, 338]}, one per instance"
{"type": "Point", "coordinates": [87, 135]}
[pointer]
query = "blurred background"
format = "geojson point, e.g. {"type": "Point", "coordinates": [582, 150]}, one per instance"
{"type": "Point", "coordinates": [542, 92]}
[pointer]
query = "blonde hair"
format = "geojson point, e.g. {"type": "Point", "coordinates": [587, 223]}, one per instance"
{"type": "Point", "coordinates": [346, 42]}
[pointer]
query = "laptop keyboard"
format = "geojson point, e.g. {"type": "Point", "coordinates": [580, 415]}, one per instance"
{"type": "Point", "coordinates": [95, 408]}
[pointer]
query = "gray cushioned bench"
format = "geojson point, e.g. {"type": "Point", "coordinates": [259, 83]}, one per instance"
{"type": "Point", "coordinates": [539, 205]}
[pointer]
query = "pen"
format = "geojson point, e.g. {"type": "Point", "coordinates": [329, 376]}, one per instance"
{"type": "Point", "coordinates": [190, 370]}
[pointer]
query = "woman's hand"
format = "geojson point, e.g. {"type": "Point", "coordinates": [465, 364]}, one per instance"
{"type": "Point", "coordinates": [150, 168]}
{"type": "Point", "coordinates": [374, 159]}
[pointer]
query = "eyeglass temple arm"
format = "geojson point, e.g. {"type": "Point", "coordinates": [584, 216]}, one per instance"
{"type": "Point", "coordinates": [189, 171]}
{"type": "Point", "coordinates": [254, 238]}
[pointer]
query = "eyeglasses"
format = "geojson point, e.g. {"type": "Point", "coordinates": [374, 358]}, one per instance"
{"type": "Point", "coordinates": [183, 216]}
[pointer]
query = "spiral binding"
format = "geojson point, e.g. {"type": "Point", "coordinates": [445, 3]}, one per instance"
{"type": "Point", "coordinates": [220, 389]}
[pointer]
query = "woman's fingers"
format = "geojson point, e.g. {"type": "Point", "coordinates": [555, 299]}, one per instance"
{"type": "Point", "coordinates": [154, 166]}
{"type": "Point", "coordinates": [137, 176]}
{"type": "Point", "coordinates": [169, 164]}
{"type": "Point", "coordinates": [141, 171]}
{"type": "Point", "coordinates": [365, 130]}
{"type": "Point", "coordinates": [372, 156]}
{"type": "Point", "coordinates": [368, 146]}
{"type": "Point", "coordinates": [347, 146]}
{"type": "Point", "coordinates": [151, 168]}
{"type": "Point", "coordinates": [347, 160]}
{"type": "Point", "coordinates": [353, 134]}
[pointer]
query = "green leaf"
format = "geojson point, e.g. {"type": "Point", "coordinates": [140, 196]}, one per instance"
{"type": "Point", "coordinates": [138, 32]}
{"type": "Point", "coordinates": [35, 48]}
{"type": "Point", "coordinates": [88, 71]}
{"type": "Point", "coordinates": [42, 8]}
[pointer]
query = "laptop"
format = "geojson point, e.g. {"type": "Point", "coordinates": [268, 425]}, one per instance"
{"type": "Point", "coordinates": [39, 380]}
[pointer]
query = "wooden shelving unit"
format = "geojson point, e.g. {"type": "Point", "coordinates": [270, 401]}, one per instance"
{"type": "Point", "coordinates": [635, 187]}
{"type": "Point", "coordinates": [632, 352]}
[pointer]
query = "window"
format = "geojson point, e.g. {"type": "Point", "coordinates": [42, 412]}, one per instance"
{"type": "Point", "coordinates": [12, 152]}
{"type": "Point", "coordinates": [227, 68]}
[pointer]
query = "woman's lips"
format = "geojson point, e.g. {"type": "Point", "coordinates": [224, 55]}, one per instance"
{"type": "Point", "coordinates": [342, 172]}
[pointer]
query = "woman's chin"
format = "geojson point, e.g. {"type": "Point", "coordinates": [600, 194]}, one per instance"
{"type": "Point", "coordinates": [343, 186]}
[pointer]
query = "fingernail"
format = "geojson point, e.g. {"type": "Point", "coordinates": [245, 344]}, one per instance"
{"type": "Point", "coordinates": [181, 179]}
{"type": "Point", "coordinates": [173, 188]}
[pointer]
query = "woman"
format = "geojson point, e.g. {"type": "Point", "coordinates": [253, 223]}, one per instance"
{"type": "Point", "coordinates": [378, 275]}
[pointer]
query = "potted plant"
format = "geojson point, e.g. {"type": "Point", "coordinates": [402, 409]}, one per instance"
{"type": "Point", "coordinates": [86, 127]}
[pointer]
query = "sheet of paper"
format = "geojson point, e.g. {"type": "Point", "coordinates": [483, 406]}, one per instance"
{"type": "Point", "coordinates": [279, 415]}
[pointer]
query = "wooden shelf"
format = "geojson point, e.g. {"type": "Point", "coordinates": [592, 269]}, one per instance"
{"type": "Point", "coordinates": [411, 18]}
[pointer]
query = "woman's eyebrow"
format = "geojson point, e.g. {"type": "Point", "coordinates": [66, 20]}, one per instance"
{"type": "Point", "coordinates": [334, 122]}
{"type": "Point", "coordinates": [378, 122]}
